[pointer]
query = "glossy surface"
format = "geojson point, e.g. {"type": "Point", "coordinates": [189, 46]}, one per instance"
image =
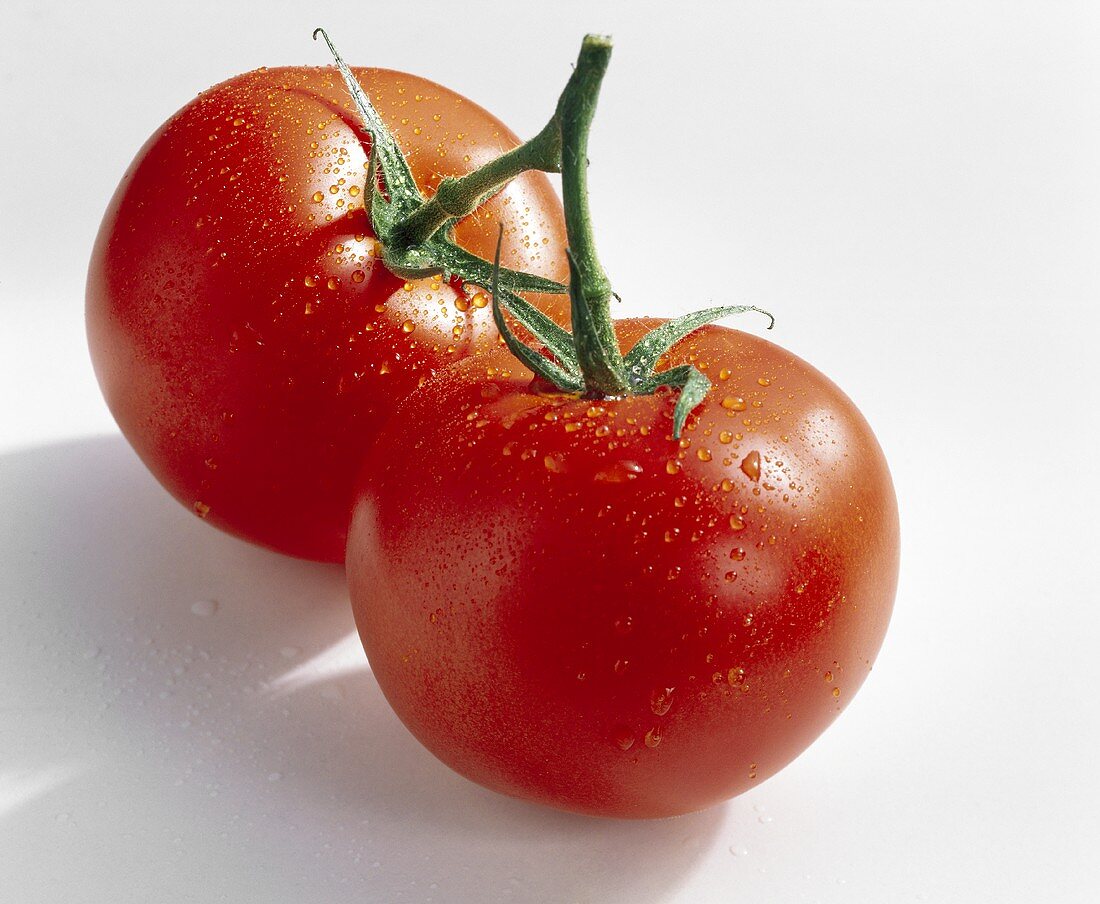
{"type": "Point", "coordinates": [565, 604]}
{"type": "Point", "coordinates": [247, 340]}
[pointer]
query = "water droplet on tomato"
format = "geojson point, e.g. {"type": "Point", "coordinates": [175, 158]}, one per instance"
{"type": "Point", "coordinates": [318, 197]}
{"type": "Point", "coordinates": [737, 554]}
{"type": "Point", "coordinates": [620, 472]}
{"type": "Point", "coordinates": [653, 736]}
{"type": "Point", "coordinates": [734, 403]}
{"type": "Point", "coordinates": [623, 737]}
{"type": "Point", "coordinates": [750, 465]}
{"type": "Point", "coordinates": [660, 701]}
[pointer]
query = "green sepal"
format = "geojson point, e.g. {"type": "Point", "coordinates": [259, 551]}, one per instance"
{"type": "Point", "coordinates": [567, 378]}
{"type": "Point", "coordinates": [480, 272]}
{"type": "Point", "coordinates": [693, 388]}
{"type": "Point", "coordinates": [641, 359]}
{"type": "Point", "coordinates": [556, 340]}
{"type": "Point", "coordinates": [399, 178]}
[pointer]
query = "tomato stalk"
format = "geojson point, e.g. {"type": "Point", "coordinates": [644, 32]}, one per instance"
{"type": "Point", "coordinates": [589, 360]}
{"type": "Point", "coordinates": [415, 233]}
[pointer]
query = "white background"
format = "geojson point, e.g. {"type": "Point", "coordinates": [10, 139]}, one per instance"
{"type": "Point", "coordinates": [910, 186]}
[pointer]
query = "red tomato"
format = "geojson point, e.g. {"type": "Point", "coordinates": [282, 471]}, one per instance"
{"type": "Point", "coordinates": [565, 604]}
{"type": "Point", "coordinates": [246, 338]}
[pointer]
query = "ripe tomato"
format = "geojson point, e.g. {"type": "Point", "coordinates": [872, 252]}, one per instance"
{"type": "Point", "coordinates": [565, 604]}
{"type": "Point", "coordinates": [247, 340]}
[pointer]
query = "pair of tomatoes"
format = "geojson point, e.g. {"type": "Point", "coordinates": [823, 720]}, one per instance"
{"type": "Point", "coordinates": [560, 599]}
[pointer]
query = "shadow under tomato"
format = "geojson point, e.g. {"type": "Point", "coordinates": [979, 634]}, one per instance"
{"type": "Point", "coordinates": [212, 705]}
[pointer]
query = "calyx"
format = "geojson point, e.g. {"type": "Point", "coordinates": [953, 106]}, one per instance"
{"type": "Point", "coordinates": [416, 237]}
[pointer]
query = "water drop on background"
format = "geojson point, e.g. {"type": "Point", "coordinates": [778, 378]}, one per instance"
{"type": "Point", "coordinates": [204, 608]}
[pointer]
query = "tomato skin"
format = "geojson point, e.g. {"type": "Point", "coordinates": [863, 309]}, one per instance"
{"type": "Point", "coordinates": [606, 620]}
{"type": "Point", "coordinates": [245, 338]}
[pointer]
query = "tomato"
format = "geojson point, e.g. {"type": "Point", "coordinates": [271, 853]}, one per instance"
{"type": "Point", "coordinates": [246, 337]}
{"type": "Point", "coordinates": [567, 605]}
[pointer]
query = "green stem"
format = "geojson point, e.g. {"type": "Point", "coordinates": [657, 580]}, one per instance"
{"type": "Point", "coordinates": [598, 352]}
{"type": "Point", "coordinates": [459, 197]}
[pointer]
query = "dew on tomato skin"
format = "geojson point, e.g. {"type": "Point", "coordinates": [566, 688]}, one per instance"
{"type": "Point", "coordinates": [836, 691]}
{"type": "Point", "coordinates": [201, 509]}
{"type": "Point", "coordinates": [735, 676]}
{"type": "Point", "coordinates": [310, 281]}
{"type": "Point", "coordinates": [621, 665]}
{"type": "Point", "coordinates": [660, 700]}
{"type": "Point", "coordinates": [624, 625]}
{"type": "Point", "coordinates": [737, 554]}
{"type": "Point", "coordinates": [750, 465]}
{"type": "Point", "coordinates": [620, 472]}
{"type": "Point", "coordinates": [828, 677]}
{"type": "Point", "coordinates": [554, 464]}
{"type": "Point", "coordinates": [623, 737]}
{"type": "Point", "coordinates": [653, 737]}
{"type": "Point", "coordinates": [734, 403]}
